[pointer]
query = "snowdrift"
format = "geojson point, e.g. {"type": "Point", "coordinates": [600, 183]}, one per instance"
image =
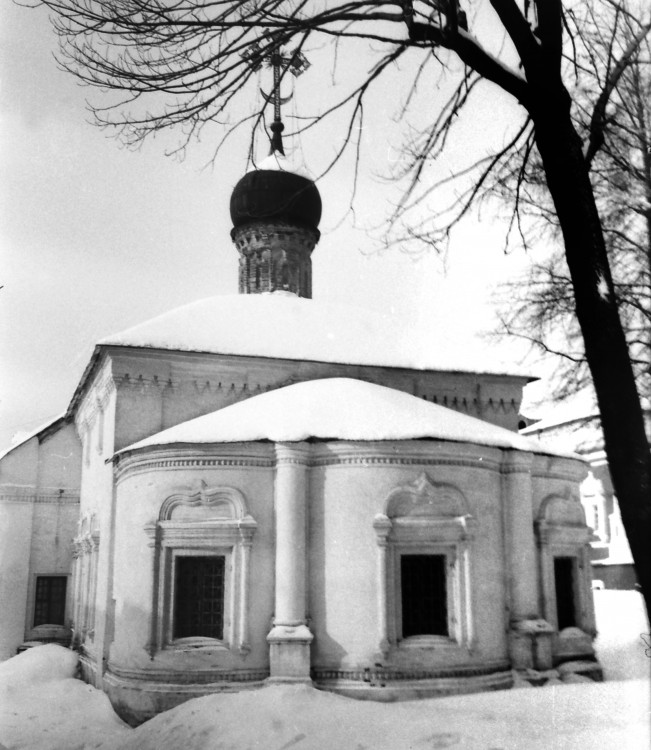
{"type": "Point", "coordinates": [42, 707]}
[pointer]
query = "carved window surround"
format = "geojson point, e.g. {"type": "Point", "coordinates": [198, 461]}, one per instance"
{"type": "Point", "coordinates": [211, 522]}
{"type": "Point", "coordinates": [429, 518]}
{"type": "Point", "coordinates": [85, 553]}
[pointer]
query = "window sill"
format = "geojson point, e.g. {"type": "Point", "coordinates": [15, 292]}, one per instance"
{"type": "Point", "coordinates": [197, 644]}
{"type": "Point", "coordinates": [427, 641]}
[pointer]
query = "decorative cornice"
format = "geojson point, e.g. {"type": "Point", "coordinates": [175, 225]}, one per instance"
{"type": "Point", "coordinates": [566, 469]}
{"type": "Point", "coordinates": [405, 460]}
{"type": "Point", "coordinates": [96, 398]}
{"type": "Point", "coordinates": [186, 677]}
{"type": "Point", "coordinates": [38, 498]}
{"type": "Point", "coordinates": [343, 453]}
{"type": "Point", "coordinates": [255, 237]}
{"type": "Point", "coordinates": [321, 454]}
{"type": "Point", "coordinates": [191, 463]}
{"type": "Point", "coordinates": [293, 453]}
{"type": "Point", "coordinates": [517, 462]}
{"type": "Point", "coordinates": [397, 674]}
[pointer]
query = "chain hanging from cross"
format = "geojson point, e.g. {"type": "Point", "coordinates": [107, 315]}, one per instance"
{"type": "Point", "coordinates": [280, 62]}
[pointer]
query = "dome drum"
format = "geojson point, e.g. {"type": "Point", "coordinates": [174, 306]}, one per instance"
{"type": "Point", "coordinates": [275, 257]}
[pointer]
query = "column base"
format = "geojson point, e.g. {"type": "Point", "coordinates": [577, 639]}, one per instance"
{"type": "Point", "coordinates": [530, 644]}
{"type": "Point", "coordinates": [289, 653]}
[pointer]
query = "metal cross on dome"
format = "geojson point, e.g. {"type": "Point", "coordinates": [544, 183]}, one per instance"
{"type": "Point", "coordinates": [280, 61]}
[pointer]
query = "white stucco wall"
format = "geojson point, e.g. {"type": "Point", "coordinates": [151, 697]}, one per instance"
{"type": "Point", "coordinates": [95, 421]}
{"type": "Point", "coordinates": [345, 495]}
{"type": "Point", "coordinates": [344, 577]}
{"type": "Point", "coordinates": [15, 538]}
{"type": "Point", "coordinates": [39, 486]}
{"type": "Point", "coordinates": [140, 495]}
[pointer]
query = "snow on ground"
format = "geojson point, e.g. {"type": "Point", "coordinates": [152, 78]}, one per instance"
{"type": "Point", "coordinates": [43, 708]}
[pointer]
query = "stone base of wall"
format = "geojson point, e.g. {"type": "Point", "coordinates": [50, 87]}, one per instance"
{"type": "Point", "coordinates": [137, 699]}
{"type": "Point", "coordinates": [393, 685]}
{"type": "Point", "coordinates": [88, 670]}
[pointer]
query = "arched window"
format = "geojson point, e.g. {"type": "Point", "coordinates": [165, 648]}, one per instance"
{"type": "Point", "coordinates": [424, 540]}
{"type": "Point", "coordinates": [202, 545]}
{"type": "Point", "coordinates": [563, 541]}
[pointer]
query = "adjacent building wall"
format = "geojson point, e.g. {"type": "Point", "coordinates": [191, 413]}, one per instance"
{"type": "Point", "coordinates": [39, 507]}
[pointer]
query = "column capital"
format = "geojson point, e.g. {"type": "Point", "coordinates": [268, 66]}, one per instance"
{"type": "Point", "coordinates": [517, 462]}
{"type": "Point", "coordinates": [293, 453]}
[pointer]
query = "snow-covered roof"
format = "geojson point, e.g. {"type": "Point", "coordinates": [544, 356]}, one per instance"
{"type": "Point", "coordinates": [338, 409]}
{"type": "Point", "coordinates": [283, 326]}
{"type": "Point", "coordinates": [579, 407]}
{"type": "Point", "coordinates": [21, 438]}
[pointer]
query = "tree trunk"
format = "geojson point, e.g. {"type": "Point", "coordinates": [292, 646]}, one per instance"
{"type": "Point", "coordinates": [606, 350]}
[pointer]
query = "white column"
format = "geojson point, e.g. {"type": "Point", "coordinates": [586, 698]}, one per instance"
{"type": "Point", "coordinates": [521, 558]}
{"type": "Point", "coordinates": [526, 625]}
{"type": "Point", "coordinates": [290, 638]}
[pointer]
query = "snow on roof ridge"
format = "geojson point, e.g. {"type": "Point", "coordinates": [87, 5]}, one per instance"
{"type": "Point", "coordinates": [338, 409]}
{"type": "Point", "coordinates": [280, 326]}
{"type": "Point", "coordinates": [32, 434]}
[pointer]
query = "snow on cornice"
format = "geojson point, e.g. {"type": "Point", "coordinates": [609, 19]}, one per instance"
{"type": "Point", "coordinates": [281, 326]}
{"type": "Point", "coordinates": [338, 409]}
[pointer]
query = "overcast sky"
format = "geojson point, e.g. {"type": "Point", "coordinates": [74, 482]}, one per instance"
{"type": "Point", "coordinates": [96, 238]}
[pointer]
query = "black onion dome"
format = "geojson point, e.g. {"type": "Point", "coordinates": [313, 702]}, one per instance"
{"type": "Point", "coordinates": [269, 194]}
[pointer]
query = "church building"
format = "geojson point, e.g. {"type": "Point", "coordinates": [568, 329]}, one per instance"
{"type": "Point", "coordinates": [264, 487]}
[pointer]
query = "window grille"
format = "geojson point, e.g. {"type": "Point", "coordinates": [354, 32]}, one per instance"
{"type": "Point", "coordinates": [565, 594]}
{"type": "Point", "coordinates": [424, 595]}
{"type": "Point", "coordinates": [199, 597]}
{"type": "Point", "coordinates": [50, 600]}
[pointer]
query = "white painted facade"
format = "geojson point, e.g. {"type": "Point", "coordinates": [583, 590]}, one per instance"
{"type": "Point", "coordinates": [39, 511]}
{"type": "Point", "coordinates": [265, 487]}
{"type": "Point", "coordinates": [312, 530]}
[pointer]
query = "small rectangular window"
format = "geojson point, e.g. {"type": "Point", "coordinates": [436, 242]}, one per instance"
{"type": "Point", "coordinates": [424, 595]}
{"type": "Point", "coordinates": [565, 592]}
{"type": "Point", "coordinates": [199, 597]}
{"type": "Point", "coordinates": [50, 600]}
